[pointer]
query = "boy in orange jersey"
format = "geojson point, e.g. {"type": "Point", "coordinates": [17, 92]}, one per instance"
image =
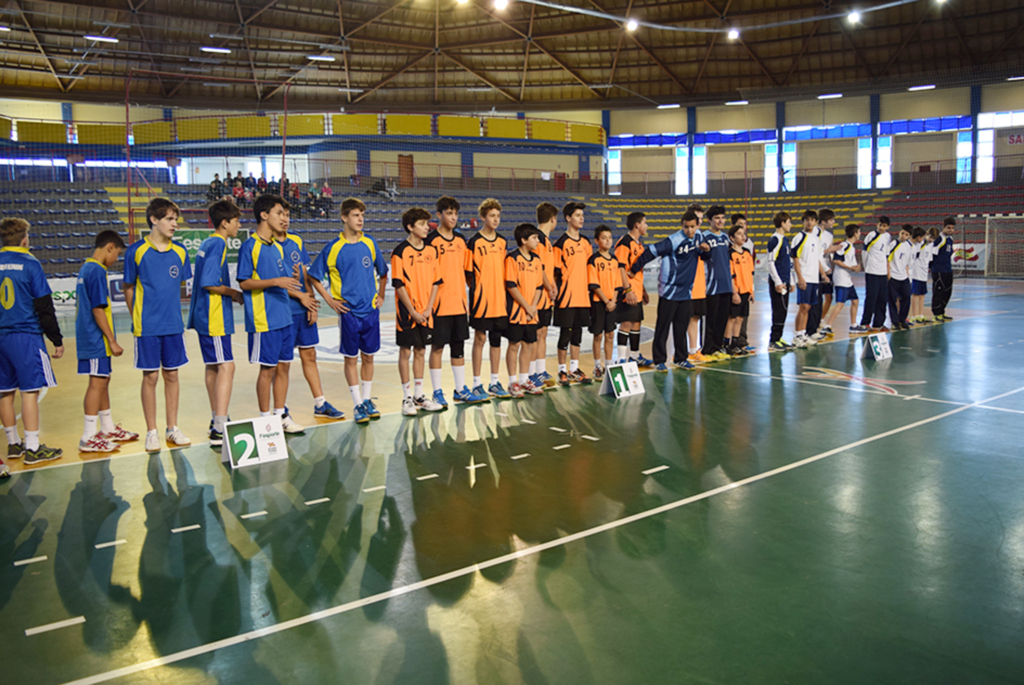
{"type": "Point", "coordinates": [630, 310]}
{"type": "Point", "coordinates": [741, 263]}
{"type": "Point", "coordinates": [524, 279]}
{"type": "Point", "coordinates": [547, 217]}
{"type": "Point", "coordinates": [604, 279]}
{"type": "Point", "coordinates": [488, 315]}
{"type": "Point", "coordinates": [572, 304]}
{"type": "Point", "coordinates": [416, 278]}
{"type": "Point", "coordinates": [451, 324]}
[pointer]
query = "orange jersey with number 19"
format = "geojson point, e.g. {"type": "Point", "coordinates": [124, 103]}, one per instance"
{"type": "Point", "coordinates": [603, 273]}
{"type": "Point", "coordinates": [571, 269]}
{"type": "Point", "coordinates": [485, 274]}
{"type": "Point", "coordinates": [627, 251]}
{"type": "Point", "coordinates": [526, 273]}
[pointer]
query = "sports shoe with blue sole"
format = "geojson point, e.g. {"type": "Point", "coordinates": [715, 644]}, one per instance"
{"type": "Point", "coordinates": [328, 411]}
{"type": "Point", "coordinates": [642, 362]}
{"type": "Point", "coordinates": [360, 414]}
{"type": "Point", "coordinates": [439, 398]}
{"type": "Point", "coordinates": [495, 390]}
{"type": "Point", "coordinates": [661, 367]}
{"type": "Point", "coordinates": [470, 397]}
{"type": "Point", "coordinates": [371, 409]}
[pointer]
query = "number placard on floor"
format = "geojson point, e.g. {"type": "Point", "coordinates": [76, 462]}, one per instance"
{"type": "Point", "coordinates": [623, 380]}
{"type": "Point", "coordinates": [254, 441]}
{"type": "Point", "coordinates": [877, 347]}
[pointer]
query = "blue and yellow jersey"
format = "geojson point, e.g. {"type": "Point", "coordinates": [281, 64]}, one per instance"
{"type": "Point", "coordinates": [899, 260]}
{"type": "Point", "coordinates": [92, 292]}
{"type": "Point", "coordinates": [780, 265]}
{"type": "Point", "coordinates": [295, 253]}
{"type": "Point", "coordinates": [210, 314]}
{"type": "Point", "coordinates": [807, 249]}
{"type": "Point", "coordinates": [21, 281]}
{"type": "Point", "coordinates": [265, 310]}
{"type": "Point", "coordinates": [942, 255]}
{"type": "Point", "coordinates": [351, 271]}
{"type": "Point", "coordinates": [157, 277]}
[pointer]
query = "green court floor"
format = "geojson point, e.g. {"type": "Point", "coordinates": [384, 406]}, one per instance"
{"type": "Point", "coordinates": [808, 517]}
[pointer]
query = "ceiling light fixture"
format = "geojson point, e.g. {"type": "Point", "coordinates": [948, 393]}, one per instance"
{"type": "Point", "coordinates": [196, 70]}
{"type": "Point", "coordinates": [217, 85]}
{"type": "Point", "coordinates": [321, 58]}
{"type": "Point", "coordinates": [919, 88]}
{"type": "Point", "coordinates": [631, 25]}
{"type": "Point", "coordinates": [1016, 78]}
{"type": "Point", "coordinates": [669, 106]}
{"type": "Point", "coordinates": [830, 96]}
{"type": "Point", "coordinates": [5, 28]}
{"type": "Point", "coordinates": [219, 51]}
{"type": "Point", "coordinates": [737, 103]}
{"type": "Point", "coordinates": [853, 17]}
{"type": "Point", "coordinates": [203, 60]}
{"type": "Point", "coordinates": [226, 36]}
{"type": "Point", "coordinates": [102, 39]}
{"type": "Point", "coordinates": [500, 4]}
{"type": "Point", "coordinates": [734, 34]}
{"type": "Point", "coordinates": [350, 90]}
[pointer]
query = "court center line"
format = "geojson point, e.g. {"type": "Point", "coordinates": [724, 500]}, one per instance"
{"type": "Point", "coordinates": [317, 501]}
{"type": "Point", "coordinates": [590, 437]}
{"type": "Point", "coordinates": [427, 477]}
{"type": "Point", "coordinates": [656, 469]}
{"type": "Point", "coordinates": [26, 562]}
{"type": "Point", "coordinates": [254, 514]}
{"type": "Point", "coordinates": [560, 447]}
{"type": "Point", "coordinates": [113, 543]}
{"type": "Point", "coordinates": [519, 456]}
{"type": "Point", "coordinates": [375, 488]}
{"type": "Point", "coordinates": [504, 559]}
{"type": "Point", "coordinates": [185, 529]}
{"type": "Point", "coordinates": [54, 626]}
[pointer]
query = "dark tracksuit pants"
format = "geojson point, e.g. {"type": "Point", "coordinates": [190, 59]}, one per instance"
{"type": "Point", "coordinates": [899, 300]}
{"type": "Point", "coordinates": [942, 290]}
{"type": "Point", "coordinates": [674, 314]}
{"type": "Point", "coordinates": [874, 301]}
{"type": "Point", "coordinates": [715, 321]}
{"type": "Point", "coordinates": [780, 309]}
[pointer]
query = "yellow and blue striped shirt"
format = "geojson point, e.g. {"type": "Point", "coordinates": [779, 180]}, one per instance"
{"type": "Point", "coordinates": [211, 314]}
{"type": "Point", "coordinates": [265, 310]}
{"type": "Point", "coordinates": [157, 277]}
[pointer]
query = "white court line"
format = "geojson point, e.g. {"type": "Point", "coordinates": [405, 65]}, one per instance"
{"type": "Point", "coordinates": [558, 430]}
{"type": "Point", "coordinates": [560, 447]}
{"type": "Point", "coordinates": [590, 437]}
{"type": "Point", "coordinates": [475, 466]}
{"type": "Point", "coordinates": [33, 560]}
{"type": "Point", "coordinates": [185, 529]}
{"type": "Point", "coordinates": [104, 545]}
{"type": "Point", "coordinates": [375, 488]}
{"type": "Point", "coordinates": [504, 559]}
{"type": "Point", "coordinates": [532, 423]}
{"type": "Point", "coordinates": [317, 501]}
{"type": "Point", "coordinates": [254, 514]}
{"type": "Point", "coordinates": [656, 469]}
{"type": "Point", "coordinates": [519, 456]}
{"type": "Point", "coordinates": [54, 626]}
{"type": "Point", "coordinates": [498, 413]}
{"type": "Point", "coordinates": [427, 477]}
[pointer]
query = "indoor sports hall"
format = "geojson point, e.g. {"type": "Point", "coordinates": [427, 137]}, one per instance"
{"type": "Point", "coordinates": [843, 512]}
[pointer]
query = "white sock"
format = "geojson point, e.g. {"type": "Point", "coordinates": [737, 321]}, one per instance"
{"type": "Point", "coordinates": [459, 373]}
{"type": "Point", "coordinates": [524, 379]}
{"type": "Point", "coordinates": [106, 421]}
{"type": "Point", "coordinates": [366, 387]}
{"type": "Point", "coordinates": [319, 401]}
{"type": "Point", "coordinates": [90, 428]}
{"type": "Point", "coordinates": [262, 414]}
{"type": "Point", "coordinates": [561, 368]}
{"type": "Point", "coordinates": [476, 381]}
{"type": "Point", "coordinates": [599, 362]}
{"type": "Point", "coordinates": [218, 423]}
{"type": "Point", "coordinates": [494, 378]}
{"type": "Point", "coordinates": [12, 435]}
{"type": "Point", "coordinates": [278, 411]}
{"type": "Point", "coordinates": [435, 380]}
{"type": "Point", "coordinates": [417, 387]}
{"type": "Point", "coordinates": [574, 365]}
{"type": "Point", "coordinates": [801, 333]}
{"type": "Point", "coordinates": [406, 391]}
{"type": "Point", "coordinates": [534, 369]}
{"type": "Point", "coordinates": [624, 352]}
{"type": "Point", "coordinates": [31, 440]}
{"type": "Point", "coordinates": [357, 398]}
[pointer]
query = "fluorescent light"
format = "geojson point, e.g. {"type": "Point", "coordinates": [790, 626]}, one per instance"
{"type": "Point", "coordinates": [737, 102]}
{"type": "Point", "coordinates": [350, 90]}
{"type": "Point", "coordinates": [854, 17]}
{"type": "Point", "coordinates": [344, 47]}
{"type": "Point", "coordinates": [631, 25]}
{"type": "Point", "coordinates": [226, 36]}
{"type": "Point", "coordinates": [102, 39]}
{"type": "Point", "coordinates": [1016, 78]}
{"type": "Point", "coordinates": [217, 85]}
{"type": "Point", "coordinates": [203, 60]}
{"type": "Point", "coordinates": [5, 28]}
{"type": "Point", "coordinates": [113, 25]}
{"type": "Point", "coordinates": [500, 4]}
{"type": "Point", "coordinates": [72, 77]}
{"type": "Point", "coordinates": [219, 51]}
{"type": "Point", "coordinates": [321, 58]}
{"type": "Point", "coordinates": [733, 34]}
{"type": "Point", "coordinates": [917, 88]}
{"type": "Point", "coordinates": [669, 106]}
{"type": "Point", "coordinates": [830, 96]}
{"type": "Point", "coordinates": [462, 2]}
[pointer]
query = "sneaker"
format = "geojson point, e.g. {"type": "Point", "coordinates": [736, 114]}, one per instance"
{"type": "Point", "coordinates": [360, 414]}
{"type": "Point", "coordinates": [578, 376]}
{"type": "Point", "coordinates": [736, 351]}
{"type": "Point", "coordinates": [802, 341]}
{"type": "Point", "coordinates": [749, 349]}
{"type": "Point", "coordinates": [97, 444]}
{"type": "Point", "coordinates": [328, 411]}
{"type": "Point", "coordinates": [216, 438]}
{"type": "Point", "coordinates": [818, 336]}
{"type": "Point", "coordinates": [945, 318]}
{"type": "Point", "coordinates": [426, 404]}
{"type": "Point", "coordinates": [858, 329]}
{"type": "Point", "coordinates": [121, 435]}
{"type": "Point", "coordinates": [289, 425]}
{"type": "Point", "coordinates": [440, 400]}
{"type": "Point", "coordinates": [496, 390]}
{"type": "Point", "coordinates": [532, 388]}
{"type": "Point", "coordinates": [408, 407]}
{"type": "Point", "coordinates": [516, 391]}
{"type": "Point", "coordinates": [778, 346]}
{"type": "Point", "coordinates": [549, 381]}
{"type": "Point", "coordinates": [598, 372]}
{"type": "Point", "coordinates": [16, 451]}
{"type": "Point", "coordinates": [563, 378]}
{"type": "Point", "coordinates": [479, 391]}
{"type": "Point", "coordinates": [469, 397]}
{"type": "Point", "coordinates": [883, 329]}
{"type": "Point", "coordinates": [175, 438]}
{"type": "Point", "coordinates": [152, 441]}
{"type": "Point", "coordinates": [660, 367]}
{"type": "Point", "coordinates": [371, 409]}
{"type": "Point", "coordinates": [684, 365]}
{"type": "Point", "coordinates": [44, 453]}
{"type": "Point", "coordinates": [642, 362]}
{"type": "Point", "coordinates": [4, 471]}
{"type": "Point", "coordinates": [720, 356]}
{"type": "Point", "coordinates": [697, 358]}
{"type": "Point", "coordinates": [827, 330]}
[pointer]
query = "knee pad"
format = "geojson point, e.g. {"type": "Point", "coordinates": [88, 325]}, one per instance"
{"type": "Point", "coordinates": [563, 338]}
{"type": "Point", "coordinates": [457, 350]}
{"type": "Point", "coordinates": [577, 335]}
{"type": "Point", "coordinates": [494, 337]}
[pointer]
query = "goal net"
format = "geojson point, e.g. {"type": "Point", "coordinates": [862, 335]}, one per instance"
{"type": "Point", "coordinates": [989, 246]}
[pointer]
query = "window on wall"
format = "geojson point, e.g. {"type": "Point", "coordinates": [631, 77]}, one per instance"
{"type": "Point", "coordinates": [964, 155]}
{"type": "Point", "coordinates": [682, 170]}
{"type": "Point", "coordinates": [614, 169]}
{"type": "Point", "coordinates": [986, 156]}
{"type": "Point", "coordinates": [787, 175]}
{"type": "Point", "coordinates": [883, 177]}
{"type": "Point", "coordinates": [700, 170]}
{"type": "Point", "coordinates": [863, 163]}
{"type": "Point", "coordinates": [771, 168]}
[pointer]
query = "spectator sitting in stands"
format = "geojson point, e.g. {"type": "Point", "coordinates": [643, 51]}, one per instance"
{"type": "Point", "coordinates": [239, 178]}
{"type": "Point", "coordinates": [384, 189]}
{"type": "Point", "coordinates": [326, 190]}
{"type": "Point", "coordinates": [261, 184]}
{"type": "Point", "coordinates": [238, 194]}
{"type": "Point", "coordinates": [274, 188]}
{"type": "Point", "coordinates": [213, 194]}
{"type": "Point", "coordinates": [218, 184]}
{"type": "Point", "coordinates": [313, 190]}
{"type": "Point", "coordinates": [250, 182]}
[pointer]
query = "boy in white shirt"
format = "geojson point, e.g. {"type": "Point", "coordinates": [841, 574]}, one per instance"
{"type": "Point", "coordinates": [899, 280]}
{"type": "Point", "coordinates": [810, 274]}
{"type": "Point", "coordinates": [845, 265]}
{"type": "Point", "coordinates": [876, 270]}
{"type": "Point", "coordinates": [826, 224]}
{"type": "Point", "coordinates": [921, 254]}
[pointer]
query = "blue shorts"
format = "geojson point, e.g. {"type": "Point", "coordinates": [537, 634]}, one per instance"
{"type": "Point", "coordinates": [271, 347]}
{"type": "Point", "coordinates": [155, 352]}
{"type": "Point", "coordinates": [306, 334]}
{"type": "Point", "coordinates": [826, 288]}
{"type": "Point", "coordinates": [100, 366]}
{"type": "Point", "coordinates": [918, 287]}
{"type": "Point", "coordinates": [359, 333]}
{"type": "Point", "coordinates": [845, 294]}
{"type": "Point", "coordinates": [25, 363]}
{"type": "Point", "coordinates": [216, 349]}
{"type": "Point", "coordinates": [810, 295]}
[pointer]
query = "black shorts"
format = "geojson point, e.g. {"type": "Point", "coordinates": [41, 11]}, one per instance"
{"type": "Point", "coordinates": [741, 309]}
{"type": "Point", "coordinates": [700, 308]}
{"type": "Point", "coordinates": [450, 329]}
{"type": "Point", "coordinates": [574, 317]}
{"type": "Point", "coordinates": [521, 332]}
{"type": "Point", "coordinates": [416, 337]}
{"type": "Point", "coordinates": [826, 288]}
{"type": "Point", "coordinates": [629, 313]}
{"type": "Point", "coordinates": [496, 323]}
{"type": "Point", "coordinates": [602, 320]}
{"type": "Point", "coordinates": [544, 317]}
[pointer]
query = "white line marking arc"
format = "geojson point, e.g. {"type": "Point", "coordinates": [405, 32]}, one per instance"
{"type": "Point", "coordinates": [427, 477]}
{"type": "Point", "coordinates": [519, 456]}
